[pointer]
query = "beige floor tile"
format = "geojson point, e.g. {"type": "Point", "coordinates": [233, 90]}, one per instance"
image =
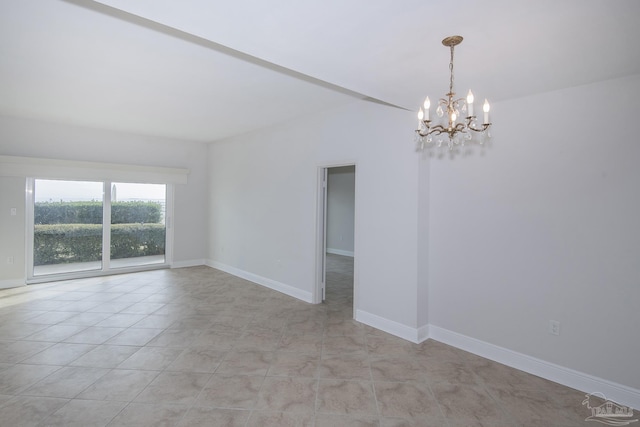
{"type": "Point", "coordinates": [155, 321]}
{"type": "Point", "coordinates": [301, 343]}
{"type": "Point", "coordinates": [85, 319]}
{"type": "Point", "coordinates": [17, 351]}
{"type": "Point", "coordinates": [151, 358]}
{"type": "Point", "coordinates": [479, 407]}
{"type": "Point", "coordinates": [192, 322]}
{"type": "Point", "coordinates": [388, 345]}
{"type": "Point", "coordinates": [494, 374]}
{"type": "Point", "coordinates": [10, 330]}
{"type": "Point", "coordinates": [235, 323]}
{"type": "Point", "coordinates": [279, 419]}
{"type": "Point", "coordinates": [51, 317]}
{"type": "Point", "coordinates": [177, 338]}
{"type": "Point", "coordinates": [121, 320]}
{"type": "Point", "coordinates": [26, 411]}
{"type": "Point", "coordinates": [208, 417]}
{"type": "Point", "coordinates": [344, 345]}
{"type": "Point", "coordinates": [119, 385]}
{"type": "Point", "coordinates": [196, 359]}
{"type": "Point", "coordinates": [247, 362]}
{"type": "Point", "coordinates": [288, 394]}
{"type": "Point", "coordinates": [18, 377]}
{"type": "Point", "coordinates": [330, 420]}
{"type": "Point", "coordinates": [230, 391]}
{"type": "Point", "coordinates": [142, 307]}
{"type": "Point", "coordinates": [105, 356]}
{"type": "Point", "coordinates": [197, 346]}
{"type": "Point", "coordinates": [396, 368]}
{"type": "Point", "coordinates": [94, 335]}
{"type": "Point", "coordinates": [110, 307]}
{"type": "Point", "coordinates": [60, 354]}
{"type": "Point", "coordinates": [345, 367]}
{"type": "Point", "coordinates": [84, 413]}
{"type": "Point", "coordinates": [134, 336]}
{"type": "Point", "coordinates": [343, 327]}
{"type": "Point", "coordinates": [294, 365]}
{"type": "Point", "coordinates": [415, 422]}
{"type": "Point", "coordinates": [174, 387]}
{"type": "Point", "coordinates": [78, 306]}
{"type": "Point", "coordinates": [149, 415]}
{"type": "Point", "coordinates": [407, 400]}
{"type": "Point", "coordinates": [216, 339]}
{"type": "Point", "coordinates": [267, 322]}
{"type": "Point", "coordinates": [538, 406]}
{"type": "Point", "coordinates": [346, 397]}
{"type": "Point", "coordinates": [55, 333]}
{"type": "Point", "coordinates": [66, 382]}
{"type": "Point", "coordinates": [449, 371]}
{"type": "Point", "coordinates": [258, 340]}
{"type": "Point", "coordinates": [4, 398]}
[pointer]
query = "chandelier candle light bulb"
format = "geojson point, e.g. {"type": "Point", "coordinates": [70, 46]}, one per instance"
{"type": "Point", "coordinates": [486, 107]}
{"type": "Point", "coordinates": [457, 132]}
{"type": "Point", "coordinates": [427, 106]}
{"type": "Point", "coordinates": [470, 103]}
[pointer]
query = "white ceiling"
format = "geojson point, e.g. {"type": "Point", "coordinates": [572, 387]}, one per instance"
{"type": "Point", "coordinates": [208, 69]}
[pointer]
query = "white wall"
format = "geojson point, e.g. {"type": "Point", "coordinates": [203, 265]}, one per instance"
{"type": "Point", "coordinates": [263, 195]}
{"type": "Point", "coordinates": [12, 190]}
{"type": "Point", "coordinates": [31, 138]}
{"type": "Point", "coordinates": [340, 209]}
{"type": "Point", "coordinates": [546, 226]}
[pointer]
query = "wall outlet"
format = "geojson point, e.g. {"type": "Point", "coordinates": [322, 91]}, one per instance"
{"type": "Point", "coordinates": [554, 327]}
{"type": "Point", "coordinates": [13, 211]}
{"type": "Point", "coordinates": [10, 260]}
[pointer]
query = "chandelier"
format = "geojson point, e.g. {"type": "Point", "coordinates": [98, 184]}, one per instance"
{"type": "Point", "coordinates": [456, 122]}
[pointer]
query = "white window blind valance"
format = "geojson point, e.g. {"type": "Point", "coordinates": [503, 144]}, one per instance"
{"type": "Point", "coordinates": [96, 171]}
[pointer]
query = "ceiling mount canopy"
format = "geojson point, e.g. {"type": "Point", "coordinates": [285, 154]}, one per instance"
{"type": "Point", "coordinates": [455, 122]}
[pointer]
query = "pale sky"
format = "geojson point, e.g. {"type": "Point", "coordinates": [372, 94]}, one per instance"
{"type": "Point", "coordinates": [56, 190]}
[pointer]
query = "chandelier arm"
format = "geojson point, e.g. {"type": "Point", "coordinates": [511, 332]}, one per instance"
{"type": "Point", "coordinates": [438, 130]}
{"type": "Point", "coordinates": [484, 127]}
{"type": "Point", "coordinates": [470, 126]}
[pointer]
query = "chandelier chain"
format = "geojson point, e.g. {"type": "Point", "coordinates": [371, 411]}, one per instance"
{"type": "Point", "coordinates": [451, 71]}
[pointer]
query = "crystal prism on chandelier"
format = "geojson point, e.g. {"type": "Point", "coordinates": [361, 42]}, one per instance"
{"type": "Point", "coordinates": [456, 123]}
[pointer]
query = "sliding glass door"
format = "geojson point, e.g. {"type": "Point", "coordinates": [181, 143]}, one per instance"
{"type": "Point", "coordinates": [67, 235]}
{"type": "Point", "coordinates": [138, 231]}
{"type": "Point", "coordinates": [82, 226]}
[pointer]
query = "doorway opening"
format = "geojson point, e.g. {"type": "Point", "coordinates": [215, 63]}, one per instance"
{"type": "Point", "coordinates": [336, 237]}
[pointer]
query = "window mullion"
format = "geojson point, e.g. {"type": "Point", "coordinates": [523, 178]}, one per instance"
{"type": "Point", "coordinates": [106, 226]}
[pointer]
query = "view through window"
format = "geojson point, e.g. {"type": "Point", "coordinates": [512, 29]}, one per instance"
{"type": "Point", "coordinates": [70, 234]}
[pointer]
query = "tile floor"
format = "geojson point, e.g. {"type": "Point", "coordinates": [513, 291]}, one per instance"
{"type": "Point", "coordinates": [199, 347]}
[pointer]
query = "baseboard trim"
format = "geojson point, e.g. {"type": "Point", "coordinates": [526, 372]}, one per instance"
{"type": "Point", "coordinates": [269, 283]}
{"type": "Point", "coordinates": [619, 393]}
{"type": "Point", "coordinates": [340, 252]}
{"type": "Point", "coordinates": [188, 263]}
{"type": "Point", "coordinates": [415, 335]}
{"type": "Point", "coordinates": [13, 283]}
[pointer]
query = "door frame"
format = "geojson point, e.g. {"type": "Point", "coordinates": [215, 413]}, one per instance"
{"type": "Point", "coordinates": [321, 232]}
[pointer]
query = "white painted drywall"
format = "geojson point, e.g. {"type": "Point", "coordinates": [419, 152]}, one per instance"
{"type": "Point", "coordinates": [12, 193]}
{"type": "Point", "coordinates": [263, 203]}
{"type": "Point", "coordinates": [32, 138]}
{"type": "Point", "coordinates": [546, 226]}
{"type": "Point", "coordinates": [341, 209]}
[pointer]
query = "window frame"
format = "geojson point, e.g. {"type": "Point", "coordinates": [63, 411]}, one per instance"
{"type": "Point", "coordinates": [106, 268]}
